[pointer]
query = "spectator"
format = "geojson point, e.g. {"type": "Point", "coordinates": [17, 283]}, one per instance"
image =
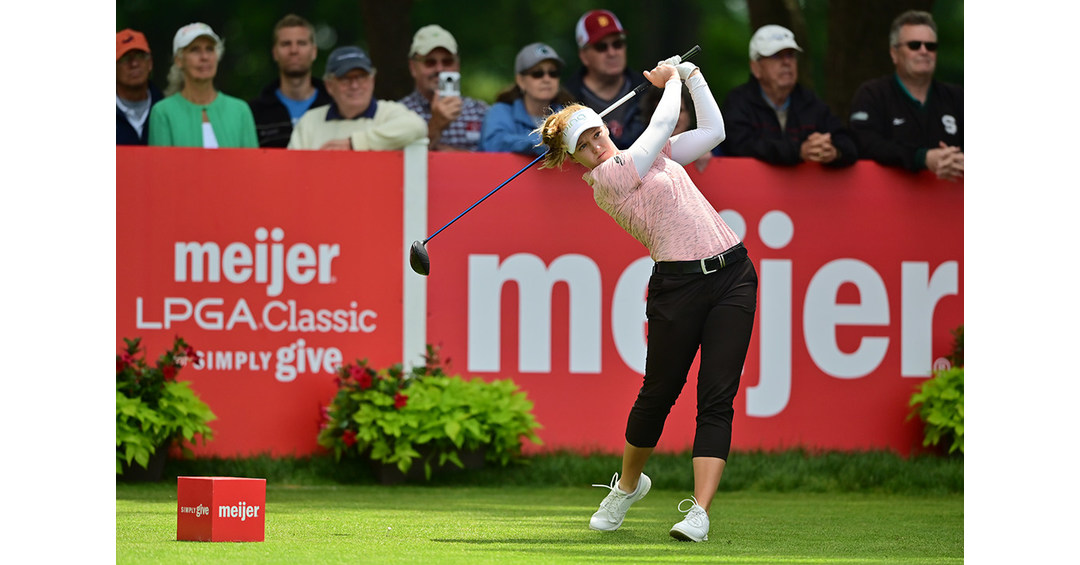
{"type": "Point", "coordinates": [908, 119]}
{"type": "Point", "coordinates": [773, 118]}
{"type": "Point", "coordinates": [521, 107]}
{"type": "Point", "coordinates": [135, 94]}
{"type": "Point", "coordinates": [453, 122]}
{"type": "Point", "coordinates": [282, 102]}
{"type": "Point", "coordinates": [604, 76]}
{"type": "Point", "coordinates": [194, 113]}
{"type": "Point", "coordinates": [354, 119]}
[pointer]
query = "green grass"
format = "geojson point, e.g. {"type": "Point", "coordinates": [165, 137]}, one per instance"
{"type": "Point", "coordinates": [785, 507]}
{"type": "Point", "coordinates": [519, 524]}
{"type": "Point", "coordinates": [787, 471]}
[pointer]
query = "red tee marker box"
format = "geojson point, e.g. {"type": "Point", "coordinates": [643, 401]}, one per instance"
{"type": "Point", "coordinates": [220, 509]}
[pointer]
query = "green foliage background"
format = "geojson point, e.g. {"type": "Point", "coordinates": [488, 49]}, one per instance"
{"type": "Point", "coordinates": [490, 33]}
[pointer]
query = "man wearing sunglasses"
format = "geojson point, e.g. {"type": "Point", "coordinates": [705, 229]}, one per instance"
{"type": "Point", "coordinates": [454, 122]}
{"type": "Point", "coordinates": [908, 119]}
{"type": "Point", "coordinates": [604, 76]}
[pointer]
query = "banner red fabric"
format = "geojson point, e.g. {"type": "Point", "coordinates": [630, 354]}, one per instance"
{"type": "Point", "coordinates": [276, 265]}
{"type": "Point", "coordinates": [254, 256]}
{"type": "Point", "coordinates": [860, 270]}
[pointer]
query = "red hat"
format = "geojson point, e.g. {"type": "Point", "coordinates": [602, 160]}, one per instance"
{"type": "Point", "coordinates": [129, 39]}
{"type": "Point", "coordinates": [595, 25]}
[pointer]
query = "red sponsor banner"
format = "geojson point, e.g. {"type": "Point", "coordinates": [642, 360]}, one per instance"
{"type": "Point", "coordinates": [279, 265]}
{"type": "Point", "coordinates": [275, 265]}
{"type": "Point", "coordinates": [861, 274]}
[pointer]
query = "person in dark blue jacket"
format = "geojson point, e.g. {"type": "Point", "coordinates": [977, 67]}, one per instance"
{"type": "Point", "coordinates": [775, 119]}
{"type": "Point", "coordinates": [135, 94]}
{"type": "Point", "coordinates": [520, 108]}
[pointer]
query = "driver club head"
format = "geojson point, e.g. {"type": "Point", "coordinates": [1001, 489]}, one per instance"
{"type": "Point", "coordinates": [418, 259]}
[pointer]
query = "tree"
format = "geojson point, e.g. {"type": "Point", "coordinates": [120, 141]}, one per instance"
{"type": "Point", "coordinates": [389, 35]}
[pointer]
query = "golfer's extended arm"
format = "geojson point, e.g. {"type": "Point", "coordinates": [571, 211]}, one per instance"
{"type": "Point", "coordinates": [688, 146]}
{"type": "Point", "coordinates": [651, 141]}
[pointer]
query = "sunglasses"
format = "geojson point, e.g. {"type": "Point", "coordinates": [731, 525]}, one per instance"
{"type": "Point", "coordinates": [603, 47]}
{"type": "Point", "coordinates": [931, 46]}
{"type": "Point", "coordinates": [431, 62]}
{"type": "Point", "coordinates": [539, 73]}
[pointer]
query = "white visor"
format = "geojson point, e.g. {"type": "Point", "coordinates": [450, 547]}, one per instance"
{"type": "Point", "coordinates": [579, 121]}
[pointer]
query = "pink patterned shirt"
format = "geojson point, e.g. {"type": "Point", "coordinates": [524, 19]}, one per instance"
{"type": "Point", "coordinates": [663, 210]}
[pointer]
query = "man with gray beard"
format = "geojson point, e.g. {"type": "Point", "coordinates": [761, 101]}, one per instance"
{"type": "Point", "coordinates": [282, 102]}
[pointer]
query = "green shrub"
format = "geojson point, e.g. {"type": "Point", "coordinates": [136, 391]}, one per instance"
{"type": "Point", "coordinates": [154, 410]}
{"type": "Point", "coordinates": [939, 403]}
{"type": "Point", "coordinates": [391, 416]}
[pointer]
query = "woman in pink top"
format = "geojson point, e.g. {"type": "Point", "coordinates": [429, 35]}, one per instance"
{"type": "Point", "coordinates": [702, 293]}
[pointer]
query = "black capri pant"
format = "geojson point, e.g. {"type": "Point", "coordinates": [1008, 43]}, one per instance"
{"type": "Point", "coordinates": [685, 311]}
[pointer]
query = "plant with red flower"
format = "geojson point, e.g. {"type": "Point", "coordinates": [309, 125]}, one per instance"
{"type": "Point", "coordinates": [154, 410]}
{"type": "Point", "coordinates": [387, 415]}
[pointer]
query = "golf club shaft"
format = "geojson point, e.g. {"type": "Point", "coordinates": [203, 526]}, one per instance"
{"type": "Point", "coordinates": [640, 88]}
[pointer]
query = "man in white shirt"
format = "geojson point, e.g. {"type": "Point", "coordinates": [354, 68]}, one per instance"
{"type": "Point", "coordinates": [354, 120]}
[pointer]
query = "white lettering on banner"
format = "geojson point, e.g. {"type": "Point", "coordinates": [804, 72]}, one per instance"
{"type": "Point", "coordinates": [821, 315]}
{"type": "Point", "coordinates": [534, 282]}
{"type": "Point", "coordinates": [276, 316]}
{"type": "Point", "coordinates": [770, 396]}
{"type": "Point", "coordinates": [628, 321]}
{"type": "Point", "coordinates": [242, 510]}
{"type": "Point", "coordinates": [924, 291]}
{"type": "Point", "coordinates": [295, 359]}
{"type": "Point", "coordinates": [199, 511]}
{"type": "Point", "coordinates": [300, 264]}
{"type": "Point", "coordinates": [920, 294]}
{"type": "Point", "coordinates": [290, 361]}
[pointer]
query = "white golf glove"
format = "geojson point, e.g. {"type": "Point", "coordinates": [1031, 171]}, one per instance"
{"type": "Point", "coordinates": [685, 69]}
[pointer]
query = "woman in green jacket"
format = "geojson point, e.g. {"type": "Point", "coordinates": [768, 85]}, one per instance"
{"type": "Point", "coordinates": [194, 113]}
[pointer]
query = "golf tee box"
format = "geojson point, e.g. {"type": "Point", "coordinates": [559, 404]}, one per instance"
{"type": "Point", "coordinates": [220, 509]}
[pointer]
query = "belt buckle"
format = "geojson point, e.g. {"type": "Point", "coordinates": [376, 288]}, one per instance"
{"type": "Point", "coordinates": [705, 270]}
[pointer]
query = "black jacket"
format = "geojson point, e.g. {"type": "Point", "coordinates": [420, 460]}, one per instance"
{"type": "Point", "coordinates": [625, 133]}
{"type": "Point", "coordinates": [753, 129]}
{"type": "Point", "coordinates": [272, 121]}
{"type": "Point", "coordinates": [893, 129]}
{"type": "Point", "coordinates": [125, 134]}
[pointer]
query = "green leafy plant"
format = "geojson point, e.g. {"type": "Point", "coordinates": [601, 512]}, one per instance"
{"type": "Point", "coordinates": [154, 410]}
{"type": "Point", "coordinates": [939, 401]}
{"type": "Point", "coordinates": [391, 416]}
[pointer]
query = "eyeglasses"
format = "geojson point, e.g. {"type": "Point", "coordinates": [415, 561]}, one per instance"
{"type": "Point", "coordinates": [602, 47]}
{"type": "Point", "coordinates": [539, 73]}
{"type": "Point", "coordinates": [133, 57]}
{"type": "Point", "coordinates": [931, 46]}
{"type": "Point", "coordinates": [431, 62]}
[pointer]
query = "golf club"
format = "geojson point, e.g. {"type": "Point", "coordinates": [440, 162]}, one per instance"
{"type": "Point", "coordinates": [418, 254]}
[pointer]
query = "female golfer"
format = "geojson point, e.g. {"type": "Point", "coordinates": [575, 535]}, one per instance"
{"type": "Point", "coordinates": [703, 290]}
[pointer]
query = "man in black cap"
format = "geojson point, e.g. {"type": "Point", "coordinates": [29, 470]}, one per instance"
{"type": "Point", "coordinates": [354, 119]}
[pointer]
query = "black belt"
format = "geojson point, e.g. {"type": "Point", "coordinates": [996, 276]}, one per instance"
{"type": "Point", "coordinates": [703, 266]}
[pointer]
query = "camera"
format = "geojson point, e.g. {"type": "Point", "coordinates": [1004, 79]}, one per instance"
{"type": "Point", "coordinates": [449, 84]}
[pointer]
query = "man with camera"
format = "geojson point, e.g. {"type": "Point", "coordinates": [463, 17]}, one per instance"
{"type": "Point", "coordinates": [454, 121]}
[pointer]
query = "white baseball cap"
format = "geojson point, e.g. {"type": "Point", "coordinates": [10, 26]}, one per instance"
{"type": "Point", "coordinates": [579, 121]}
{"type": "Point", "coordinates": [770, 40]}
{"type": "Point", "coordinates": [185, 35]}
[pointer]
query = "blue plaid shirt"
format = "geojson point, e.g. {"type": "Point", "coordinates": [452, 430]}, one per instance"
{"type": "Point", "coordinates": [462, 133]}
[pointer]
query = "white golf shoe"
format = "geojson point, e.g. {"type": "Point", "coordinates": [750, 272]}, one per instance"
{"type": "Point", "coordinates": [613, 509]}
{"type": "Point", "coordinates": [695, 526]}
